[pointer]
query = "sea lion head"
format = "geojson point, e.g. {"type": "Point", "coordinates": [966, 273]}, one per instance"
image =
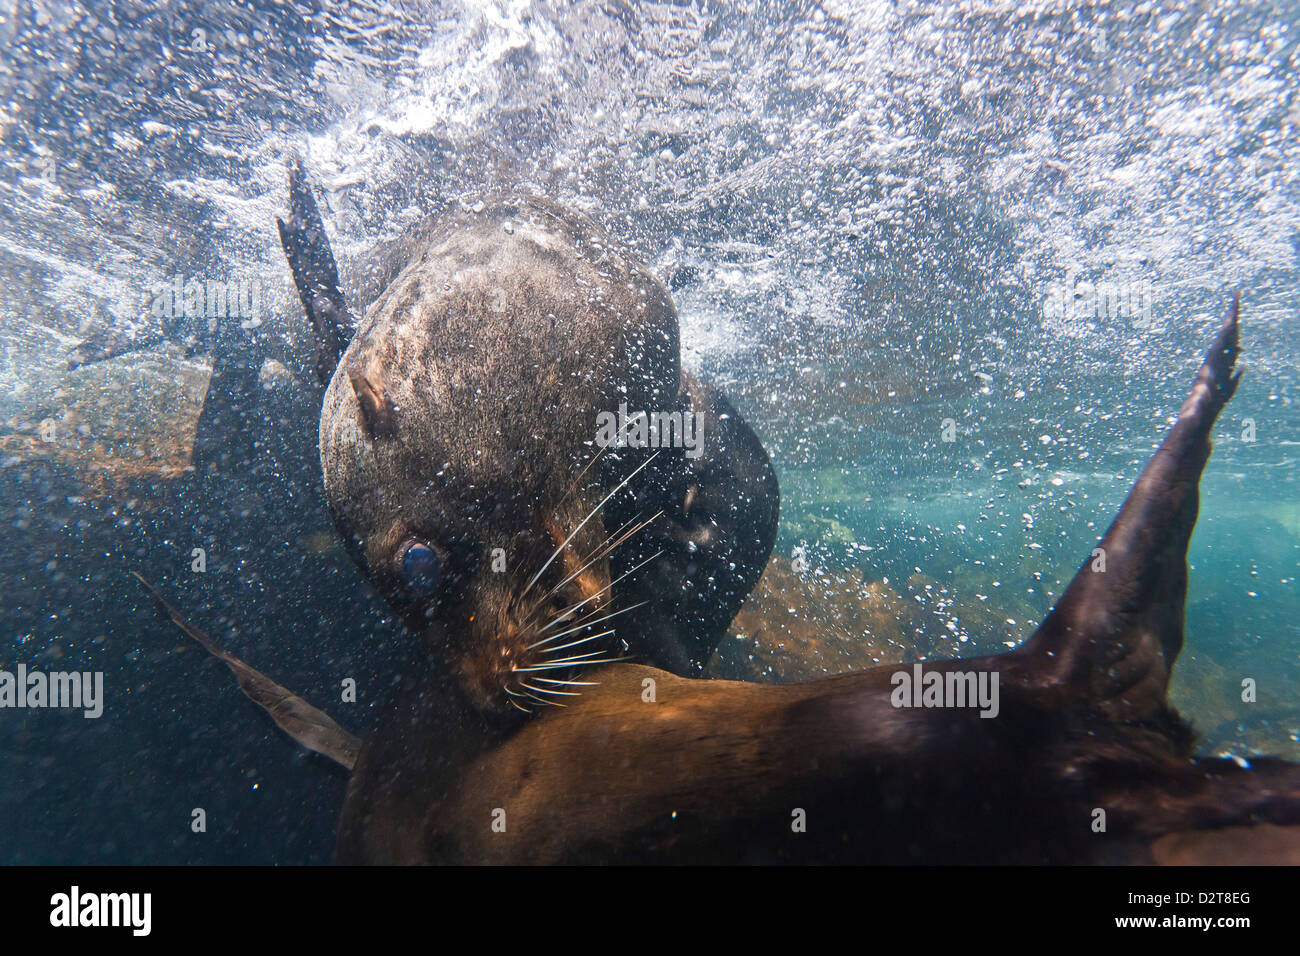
{"type": "Point", "coordinates": [458, 431]}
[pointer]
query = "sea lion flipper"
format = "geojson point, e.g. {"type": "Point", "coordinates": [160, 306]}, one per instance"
{"type": "Point", "coordinates": [312, 728]}
{"type": "Point", "coordinates": [315, 274]}
{"type": "Point", "coordinates": [1118, 628]}
{"type": "Point", "coordinates": [719, 525]}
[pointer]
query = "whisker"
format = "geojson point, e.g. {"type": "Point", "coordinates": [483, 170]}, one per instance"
{"type": "Point", "coordinates": [545, 690]}
{"type": "Point", "coordinates": [586, 468]}
{"type": "Point", "coordinates": [565, 543]}
{"type": "Point", "coordinates": [568, 492]}
{"type": "Point", "coordinates": [584, 625]}
{"type": "Point", "coordinates": [619, 537]}
{"type": "Point", "coordinates": [572, 683]}
{"type": "Point", "coordinates": [603, 549]}
{"type": "Point", "coordinates": [574, 657]}
{"type": "Point", "coordinates": [559, 665]}
{"type": "Point", "coordinates": [543, 700]}
{"type": "Point", "coordinates": [582, 641]}
{"type": "Point", "coordinates": [570, 611]}
{"type": "Point", "coordinates": [608, 548]}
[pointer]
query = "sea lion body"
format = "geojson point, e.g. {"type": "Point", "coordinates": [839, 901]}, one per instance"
{"type": "Point", "coordinates": [725, 772]}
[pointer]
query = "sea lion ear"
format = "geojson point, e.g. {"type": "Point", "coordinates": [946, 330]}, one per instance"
{"type": "Point", "coordinates": [315, 274]}
{"type": "Point", "coordinates": [1118, 628]}
{"type": "Point", "coordinates": [376, 407]}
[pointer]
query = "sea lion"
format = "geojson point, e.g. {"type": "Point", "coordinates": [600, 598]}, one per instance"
{"type": "Point", "coordinates": [467, 467]}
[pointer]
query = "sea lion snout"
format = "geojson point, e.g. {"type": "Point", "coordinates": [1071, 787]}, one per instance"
{"type": "Point", "coordinates": [515, 640]}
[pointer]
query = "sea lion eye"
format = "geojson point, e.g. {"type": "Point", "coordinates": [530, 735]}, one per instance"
{"type": "Point", "coordinates": [419, 566]}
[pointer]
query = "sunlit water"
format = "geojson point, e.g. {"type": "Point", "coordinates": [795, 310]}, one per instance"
{"type": "Point", "coordinates": [880, 222]}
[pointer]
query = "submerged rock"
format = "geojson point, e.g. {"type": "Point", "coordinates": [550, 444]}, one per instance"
{"type": "Point", "coordinates": [109, 424]}
{"type": "Point", "coordinates": [795, 627]}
